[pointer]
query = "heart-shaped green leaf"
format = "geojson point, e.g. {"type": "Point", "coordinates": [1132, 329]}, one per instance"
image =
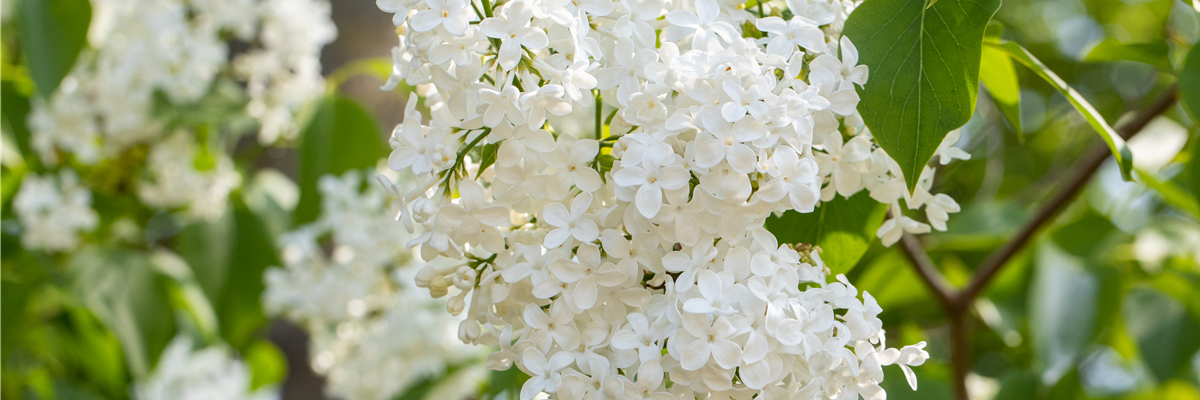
{"type": "Point", "coordinates": [924, 61]}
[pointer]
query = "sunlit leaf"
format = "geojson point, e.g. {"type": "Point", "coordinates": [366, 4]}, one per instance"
{"type": "Point", "coordinates": [52, 34]}
{"type": "Point", "coordinates": [997, 73]}
{"type": "Point", "coordinates": [341, 136]}
{"type": "Point", "coordinates": [267, 364]}
{"type": "Point", "coordinates": [1115, 143]}
{"type": "Point", "coordinates": [842, 227]}
{"type": "Point", "coordinates": [924, 61]}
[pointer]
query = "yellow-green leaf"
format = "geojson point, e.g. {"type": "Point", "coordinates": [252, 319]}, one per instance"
{"type": "Point", "coordinates": [1114, 141]}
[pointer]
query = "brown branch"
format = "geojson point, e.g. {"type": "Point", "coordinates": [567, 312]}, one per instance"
{"type": "Point", "coordinates": [942, 289]}
{"type": "Point", "coordinates": [1087, 167]}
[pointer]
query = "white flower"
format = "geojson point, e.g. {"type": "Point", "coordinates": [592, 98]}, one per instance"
{"type": "Point", "coordinates": [705, 340]}
{"type": "Point", "coordinates": [514, 33]}
{"type": "Point", "coordinates": [651, 179]}
{"type": "Point", "coordinates": [574, 168]}
{"type": "Point", "coordinates": [946, 152]}
{"type": "Point", "coordinates": [543, 374]}
{"type": "Point", "coordinates": [840, 74]}
{"type": "Point", "coordinates": [840, 162]}
{"type": "Point", "coordinates": [570, 224]}
{"type": "Point", "coordinates": [891, 230]}
{"type": "Point", "coordinates": [447, 13]}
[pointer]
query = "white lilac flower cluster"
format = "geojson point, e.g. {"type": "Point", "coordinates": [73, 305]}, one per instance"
{"type": "Point", "coordinates": [179, 48]}
{"type": "Point", "coordinates": [143, 53]}
{"type": "Point", "coordinates": [631, 261]}
{"type": "Point", "coordinates": [176, 180]}
{"type": "Point", "coordinates": [358, 303]}
{"type": "Point", "coordinates": [187, 373]}
{"type": "Point", "coordinates": [53, 211]}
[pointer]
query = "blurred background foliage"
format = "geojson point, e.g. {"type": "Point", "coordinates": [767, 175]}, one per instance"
{"type": "Point", "coordinates": [1104, 304]}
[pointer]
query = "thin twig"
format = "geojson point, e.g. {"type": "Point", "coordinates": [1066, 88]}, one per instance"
{"type": "Point", "coordinates": [1071, 187]}
{"type": "Point", "coordinates": [942, 289]}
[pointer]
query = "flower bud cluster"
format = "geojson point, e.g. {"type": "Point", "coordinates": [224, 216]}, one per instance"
{"type": "Point", "coordinates": [358, 303]}
{"type": "Point", "coordinates": [627, 258]}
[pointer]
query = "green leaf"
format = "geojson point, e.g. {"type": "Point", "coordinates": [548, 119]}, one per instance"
{"type": "Point", "coordinates": [1193, 170]}
{"type": "Point", "coordinates": [379, 67]}
{"type": "Point", "coordinates": [1062, 311]}
{"type": "Point", "coordinates": [843, 228]}
{"type": "Point", "coordinates": [205, 245]}
{"type": "Point", "coordinates": [341, 136]}
{"type": "Point", "coordinates": [267, 364]}
{"type": "Point", "coordinates": [422, 389]}
{"type": "Point", "coordinates": [1115, 143]}
{"type": "Point", "coordinates": [13, 297]}
{"type": "Point", "coordinates": [1189, 82]}
{"type": "Point", "coordinates": [487, 157]}
{"type": "Point", "coordinates": [53, 32]}
{"type": "Point", "coordinates": [1171, 193]}
{"type": "Point", "coordinates": [1152, 53]}
{"type": "Point", "coordinates": [121, 288]}
{"type": "Point", "coordinates": [508, 382]}
{"type": "Point", "coordinates": [1166, 336]}
{"type": "Point", "coordinates": [253, 251]}
{"type": "Point", "coordinates": [997, 73]}
{"type": "Point", "coordinates": [924, 61]}
{"type": "Point", "coordinates": [14, 114]}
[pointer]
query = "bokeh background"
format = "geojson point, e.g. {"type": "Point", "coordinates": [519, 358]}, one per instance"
{"type": "Point", "coordinates": [1104, 303]}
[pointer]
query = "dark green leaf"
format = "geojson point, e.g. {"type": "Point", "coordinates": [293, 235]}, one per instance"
{"type": "Point", "coordinates": [1189, 82]}
{"type": "Point", "coordinates": [1062, 311]}
{"type": "Point", "coordinates": [1115, 143]}
{"type": "Point", "coordinates": [69, 391]}
{"type": "Point", "coordinates": [267, 364]}
{"type": "Point", "coordinates": [253, 251]}
{"type": "Point", "coordinates": [924, 61]}
{"type": "Point", "coordinates": [1193, 170]}
{"type": "Point", "coordinates": [121, 288]}
{"type": "Point", "coordinates": [421, 389]}
{"type": "Point", "coordinates": [1152, 53]}
{"type": "Point", "coordinates": [487, 156]}
{"type": "Point", "coordinates": [341, 136]}
{"type": "Point", "coordinates": [998, 75]}
{"type": "Point", "coordinates": [1166, 336]}
{"type": "Point", "coordinates": [14, 114]}
{"type": "Point", "coordinates": [508, 382]}
{"type": "Point", "coordinates": [13, 297]}
{"type": "Point", "coordinates": [1021, 385]}
{"type": "Point", "coordinates": [843, 228]}
{"type": "Point", "coordinates": [994, 31]}
{"type": "Point", "coordinates": [52, 34]}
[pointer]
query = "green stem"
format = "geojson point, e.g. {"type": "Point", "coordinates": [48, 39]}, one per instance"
{"type": "Point", "coordinates": [599, 115]}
